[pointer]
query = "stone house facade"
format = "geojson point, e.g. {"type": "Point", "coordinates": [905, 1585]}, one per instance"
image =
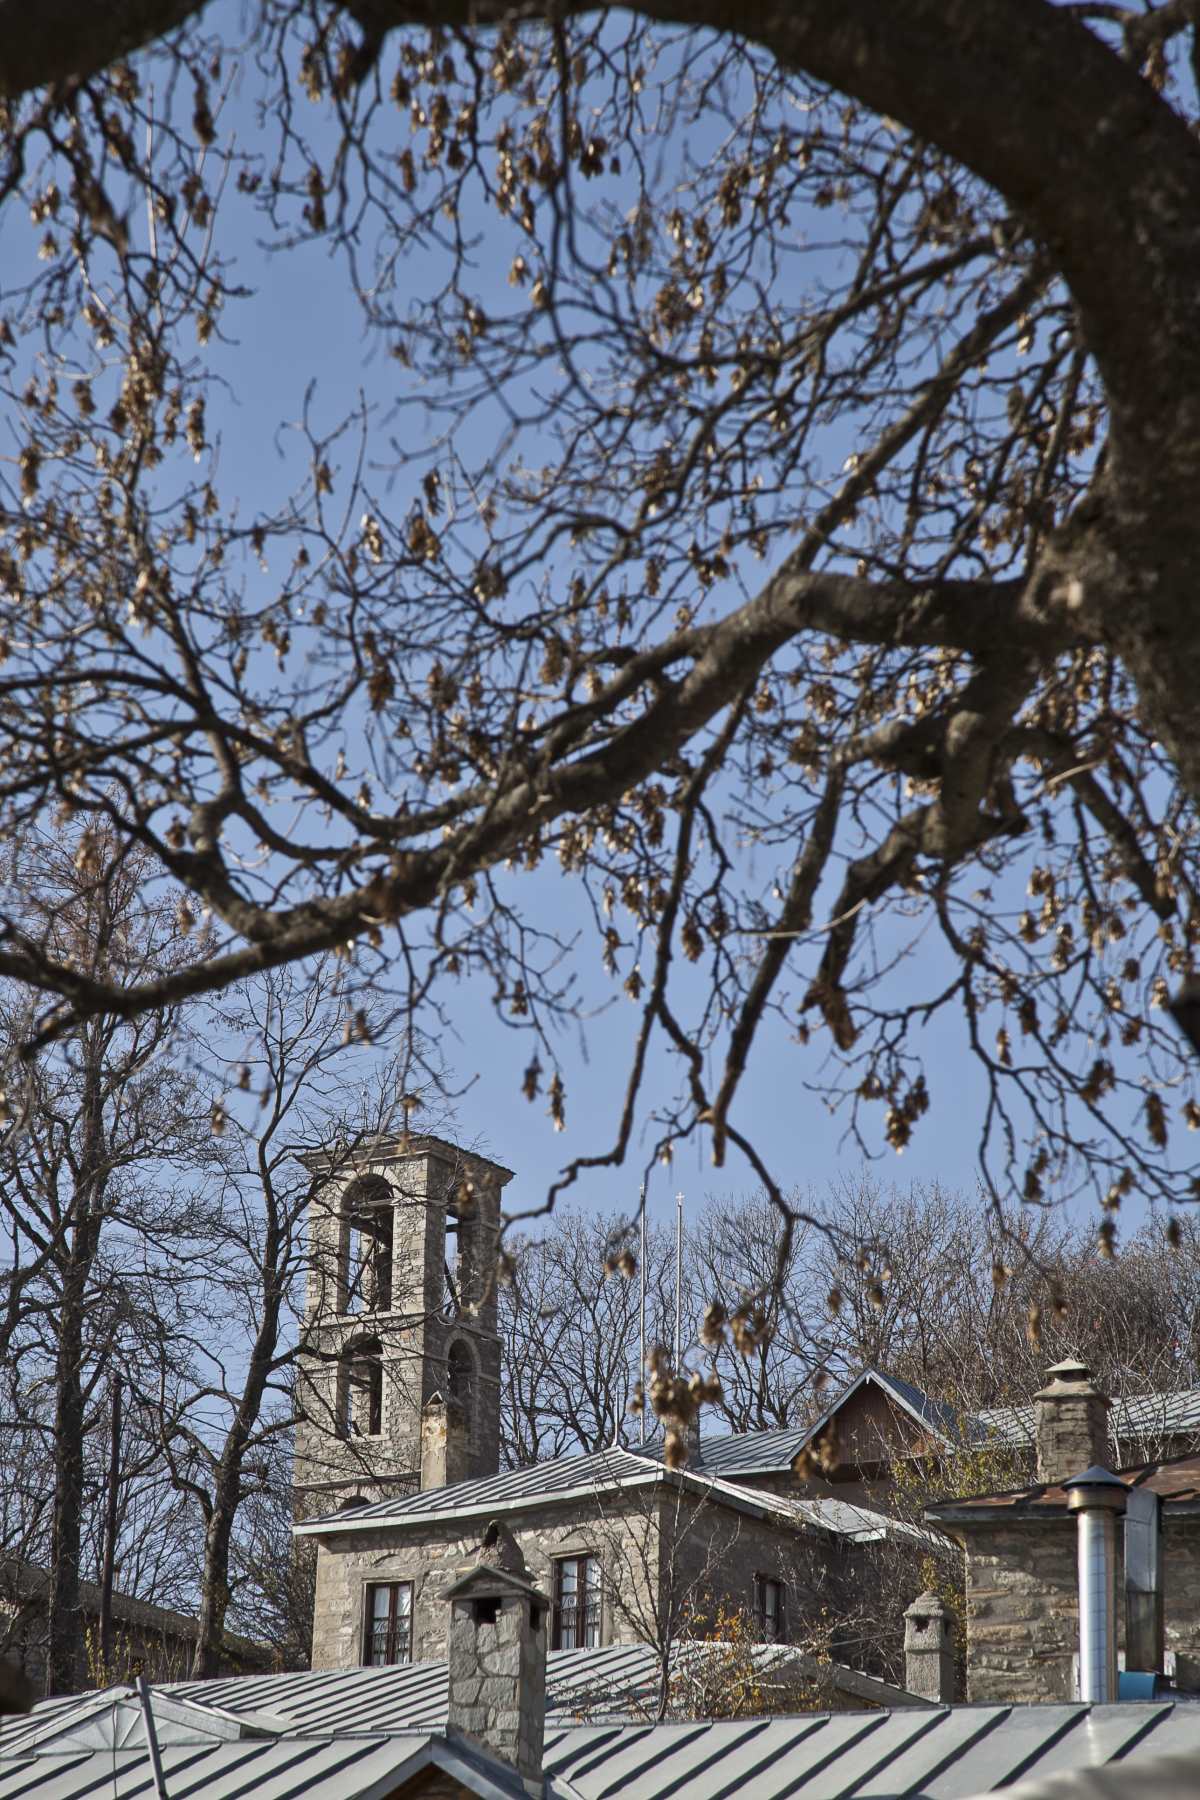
{"type": "Point", "coordinates": [671, 1555]}
{"type": "Point", "coordinates": [1022, 1582]}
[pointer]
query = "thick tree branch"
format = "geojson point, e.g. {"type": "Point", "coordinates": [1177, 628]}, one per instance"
{"type": "Point", "coordinates": [70, 40]}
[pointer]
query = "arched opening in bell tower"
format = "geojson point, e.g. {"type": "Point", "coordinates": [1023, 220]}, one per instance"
{"type": "Point", "coordinates": [461, 1376]}
{"type": "Point", "coordinates": [464, 1275]}
{"type": "Point", "coordinates": [360, 1389]}
{"type": "Point", "coordinates": [368, 1228]}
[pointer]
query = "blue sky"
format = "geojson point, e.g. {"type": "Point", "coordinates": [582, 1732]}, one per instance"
{"type": "Point", "coordinates": [304, 325]}
{"type": "Point", "coordinates": [301, 336]}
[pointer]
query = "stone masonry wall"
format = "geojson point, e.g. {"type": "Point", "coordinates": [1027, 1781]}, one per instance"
{"type": "Point", "coordinates": [445, 1551]}
{"type": "Point", "coordinates": [1022, 1611]}
{"type": "Point", "coordinates": [719, 1554]}
{"type": "Point", "coordinates": [1023, 1607]}
{"type": "Point", "coordinates": [414, 1190]}
{"type": "Point", "coordinates": [713, 1564]}
{"type": "Point", "coordinates": [497, 1682]}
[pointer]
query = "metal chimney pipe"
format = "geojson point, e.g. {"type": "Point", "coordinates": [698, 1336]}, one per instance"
{"type": "Point", "coordinates": [1098, 1499]}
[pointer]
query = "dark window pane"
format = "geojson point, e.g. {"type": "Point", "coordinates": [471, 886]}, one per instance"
{"type": "Point", "coordinates": [577, 1603]}
{"type": "Point", "coordinates": [768, 1607]}
{"type": "Point", "coordinates": [388, 1635]}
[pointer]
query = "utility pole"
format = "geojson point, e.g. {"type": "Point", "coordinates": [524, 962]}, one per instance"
{"type": "Point", "coordinates": [642, 1317]}
{"type": "Point", "coordinates": [678, 1279]}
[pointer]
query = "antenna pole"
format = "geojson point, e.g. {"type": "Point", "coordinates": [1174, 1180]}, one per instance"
{"type": "Point", "coordinates": [678, 1278]}
{"type": "Point", "coordinates": [642, 1317]}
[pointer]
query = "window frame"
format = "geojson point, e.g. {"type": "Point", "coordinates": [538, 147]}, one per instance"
{"type": "Point", "coordinates": [395, 1616]}
{"type": "Point", "coordinates": [587, 1616]}
{"type": "Point", "coordinates": [771, 1623]}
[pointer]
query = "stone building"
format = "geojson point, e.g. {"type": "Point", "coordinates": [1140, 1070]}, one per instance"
{"type": "Point", "coordinates": [397, 1475]}
{"type": "Point", "coordinates": [627, 1550]}
{"type": "Point", "coordinates": [398, 1451]}
{"type": "Point", "coordinates": [1022, 1563]}
{"type": "Point", "coordinates": [400, 1309]}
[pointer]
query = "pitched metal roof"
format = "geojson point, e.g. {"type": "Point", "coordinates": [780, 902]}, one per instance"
{"type": "Point", "coordinates": [941, 1754]}
{"type": "Point", "coordinates": [1141, 1416]}
{"type": "Point", "coordinates": [722, 1459]}
{"type": "Point", "coordinates": [1176, 1481]}
{"type": "Point", "coordinates": [582, 1479]}
{"type": "Point", "coordinates": [938, 1753]}
{"type": "Point", "coordinates": [773, 1452]}
{"type": "Point", "coordinates": [286, 1768]}
{"type": "Point", "coordinates": [743, 1452]}
{"type": "Point", "coordinates": [617, 1683]}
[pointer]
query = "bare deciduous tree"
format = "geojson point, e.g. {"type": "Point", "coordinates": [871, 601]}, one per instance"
{"type": "Point", "coordinates": [86, 1178]}
{"type": "Point", "coordinates": [821, 487]}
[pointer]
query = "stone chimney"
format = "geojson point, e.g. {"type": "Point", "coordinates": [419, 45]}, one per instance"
{"type": "Point", "coordinates": [930, 1669]}
{"type": "Point", "coordinates": [1072, 1423]}
{"type": "Point", "coordinates": [445, 1443]}
{"type": "Point", "coordinates": [496, 1658]}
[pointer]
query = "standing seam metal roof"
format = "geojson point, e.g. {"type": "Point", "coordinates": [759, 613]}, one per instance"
{"type": "Point", "coordinates": [941, 1754]}
{"type": "Point", "coordinates": [938, 1753]}
{"type": "Point", "coordinates": [586, 1477]}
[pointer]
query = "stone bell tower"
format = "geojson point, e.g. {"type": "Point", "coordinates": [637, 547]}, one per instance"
{"type": "Point", "coordinates": [399, 1323]}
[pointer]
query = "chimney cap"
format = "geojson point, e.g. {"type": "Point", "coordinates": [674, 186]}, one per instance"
{"type": "Point", "coordinates": [1096, 1490]}
{"type": "Point", "coordinates": [1071, 1368]}
{"type": "Point", "coordinates": [925, 1604]}
{"type": "Point", "coordinates": [486, 1582]}
{"type": "Point", "coordinates": [1070, 1379]}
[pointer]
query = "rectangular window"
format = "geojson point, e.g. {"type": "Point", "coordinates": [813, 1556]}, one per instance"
{"type": "Point", "coordinates": [387, 1637]}
{"type": "Point", "coordinates": [768, 1609]}
{"type": "Point", "coordinates": [577, 1603]}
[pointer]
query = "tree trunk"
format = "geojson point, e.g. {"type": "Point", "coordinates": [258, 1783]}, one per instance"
{"type": "Point", "coordinates": [64, 1646]}
{"type": "Point", "coordinates": [110, 1533]}
{"type": "Point", "coordinates": [214, 1588]}
{"type": "Point", "coordinates": [227, 1482]}
{"type": "Point", "coordinates": [64, 1651]}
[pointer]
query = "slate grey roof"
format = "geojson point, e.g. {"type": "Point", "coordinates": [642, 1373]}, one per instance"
{"type": "Point", "coordinates": [941, 1754]}
{"type": "Point", "coordinates": [774, 1452]}
{"type": "Point", "coordinates": [617, 1683]}
{"type": "Point", "coordinates": [581, 1479]}
{"type": "Point", "coordinates": [1144, 1416]}
{"type": "Point", "coordinates": [744, 1452]}
{"type": "Point", "coordinates": [327, 1769]}
{"type": "Point", "coordinates": [936, 1753]}
{"type": "Point", "coordinates": [724, 1458]}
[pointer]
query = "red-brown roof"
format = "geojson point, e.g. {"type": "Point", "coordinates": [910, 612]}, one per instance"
{"type": "Point", "coordinates": [1177, 1481]}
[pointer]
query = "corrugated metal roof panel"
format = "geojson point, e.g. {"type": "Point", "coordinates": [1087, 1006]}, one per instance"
{"type": "Point", "coordinates": [584, 1478]}
{"type": "Point", "coordinates": [944, 1754]}
{"type": "Point", "coordinates": [876, 1751]}
{"type": "Point", "coordinates": [955, 1731]}
{"type": "Point", "coordinates": [757, 1758]}
{"type": "Point", "coordinates": [744, 1452]}
{"type": "Point", "coordinates": [1139, 1416]}
{"type": "Point", "coordinates": [658, 1754]}
{"type": "Point", "coordinates": [617, 1682]}
{"type": "Point", "coordinates": [320, 1769]}
{"type": "Point", "coordinates": [541, 1481]}
{"type": "Point", "coordinates": [1100, 1735]}
{"type": "Point", "coordinates": [1002, 1756]}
